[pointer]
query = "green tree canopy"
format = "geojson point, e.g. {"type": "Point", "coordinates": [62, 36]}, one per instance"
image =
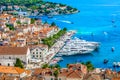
{"type": "Point", "coordinates": [65, 29]}
{"type": "Point", "coordinates": [56, 72]}
{"type": "Point", "coordinates": [51, 40]}
{"type": "Point", "coordinates": [18, 63]}
{"type": "Point", "coordinates": [57, 66]}
{"type": "Point", "coordinates": [32, 21]}
{"type": "Point", "coordinates": [89, 65]}
{"type": "Point", "coordinates": [10, 27]}
{"type": "Point", "coordinates": [53, 24]}
{"type": "Point", "coordinates": [18, 22]}
{"type": "Point", "coordinates": [45, 66]}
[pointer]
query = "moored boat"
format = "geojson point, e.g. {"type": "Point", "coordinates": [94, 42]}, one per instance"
{"type": "Point", "coordinates": [105, 61]}
{"type": "Point", "coordinates": [55, 60]}
{"type": "Point", "coordinates": [78, 46]}
{"type": "Point", "coordinates": [116, 64]}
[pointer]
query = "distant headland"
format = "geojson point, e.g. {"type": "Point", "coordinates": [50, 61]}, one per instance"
{"type": "Point", "coordinates": [36, 7]}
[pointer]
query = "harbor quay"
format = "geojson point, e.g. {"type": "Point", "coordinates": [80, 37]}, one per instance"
{"type": "Point", "coordinates": [58, 45]}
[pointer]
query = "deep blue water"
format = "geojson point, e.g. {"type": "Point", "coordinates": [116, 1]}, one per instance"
{"type": "Point", "coordinates": [95, 17]}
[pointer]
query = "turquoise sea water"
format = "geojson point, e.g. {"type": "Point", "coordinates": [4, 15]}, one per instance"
{"type": "Point", "coordinates": [95, 17]}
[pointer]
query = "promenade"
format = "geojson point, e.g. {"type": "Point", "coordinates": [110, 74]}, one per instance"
{"type": "Point", "coordinates": [57, 46]}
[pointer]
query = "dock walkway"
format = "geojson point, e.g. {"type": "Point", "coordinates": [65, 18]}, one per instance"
{"type": "Point", "coordinates": [57, 46]}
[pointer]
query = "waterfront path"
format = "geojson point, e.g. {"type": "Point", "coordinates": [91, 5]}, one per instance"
{"type": "Point", "coordinates": [57, 46]}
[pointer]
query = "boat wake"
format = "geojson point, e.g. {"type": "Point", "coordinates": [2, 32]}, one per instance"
{"type": "Point", "coordinates": [105, 33]}
{"type": "Point", "coordinates": [64, 21]}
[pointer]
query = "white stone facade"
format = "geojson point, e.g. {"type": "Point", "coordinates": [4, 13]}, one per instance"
{"type": "Point", "coordinates": [9, 60]}
{"type": "Point", "coordinates": [39, 53]}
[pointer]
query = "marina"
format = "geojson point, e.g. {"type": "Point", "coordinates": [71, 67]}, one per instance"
{"type": "Point", "coordinates": [57, 46]}
{"type": "Point", "coordinates": [78, 46]}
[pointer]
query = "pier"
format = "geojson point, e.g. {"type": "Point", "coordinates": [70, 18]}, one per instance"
{"type": "Point", "coordinates": [57, 46]}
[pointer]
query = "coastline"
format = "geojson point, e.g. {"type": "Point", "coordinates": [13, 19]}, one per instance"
{"type": "Point", "coordinates": [53, 15]}
{"type": "Point", "coordinates": [37, 8]}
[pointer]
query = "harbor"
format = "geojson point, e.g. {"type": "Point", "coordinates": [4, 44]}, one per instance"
{"type": "Point", "coordinates": [67, 46]}
{"type": "Point", "coordinates": [58, 45]}
{"type": "Point", "coordinates": [98, 23]}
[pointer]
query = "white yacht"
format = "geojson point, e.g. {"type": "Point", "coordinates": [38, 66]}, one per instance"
{"type": "Point", "coordinates": [78, 46]}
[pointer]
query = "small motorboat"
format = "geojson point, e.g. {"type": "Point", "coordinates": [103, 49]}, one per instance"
{"type": "Point", "coordinates": [105, 61]}
{"type": "Point", "coordinates": [118, 64]}
{"type": "Point", "coordinates": [115, 64]}
{"type": "Point", "coordinates": [113, 21]}
{"type": "Point", "coordinates": [112, 49]}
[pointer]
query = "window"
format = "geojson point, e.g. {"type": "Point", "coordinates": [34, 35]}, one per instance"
{"type": "Point", "coordinates": [36, 52]}
{"type": "Point", "coordinates": [40, 52]}
{"type": "Point", "coordinates": [9, 57]}
{"type": "Point", "coordinates": [8, 64]}
{"type": "Point", "coordinates": [33, 52]}
{"type": "Point", "coordinates": [28, 61]}
{"type": "Point", "coordinates": [33, 56]}
{"type": "Point", "coordinates": [51, 78]}
{"type": "Point", "coordinates": [36, 49]}
{"type": "Point", "coordinates": [40, 55]}
{"type": "Point", "coordinates": [59, 78]}
{"type": "Point", "coordinates": [36, 55]}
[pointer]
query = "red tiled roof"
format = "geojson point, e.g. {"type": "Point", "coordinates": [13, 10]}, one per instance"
{"type": "Point", "coordinates": [11, 70]}
{"type": "Point", "coordinates": [13, 50]}
{"type": "Point", "coordinates": [40, 71]}
{"type": "Point", "coordinates": [13, 19]}
{"type": "Point", "coordinates": [116, 78]}
{"type": "Point", "coordinates": [46, 30]}
{"type": "Point", "coordinates": [74, 74]}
